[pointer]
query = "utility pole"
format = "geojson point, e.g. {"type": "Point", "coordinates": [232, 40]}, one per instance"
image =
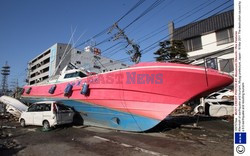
{"type": "Point", "coordinates": [5, 72]}
{"type": "Point", "coordinates": [14, 86]}
{"type": "Point", "coordinates": [135, 52]}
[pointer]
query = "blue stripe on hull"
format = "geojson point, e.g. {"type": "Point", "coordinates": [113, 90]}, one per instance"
{"type": "Point", "coordinates": [104, 117]}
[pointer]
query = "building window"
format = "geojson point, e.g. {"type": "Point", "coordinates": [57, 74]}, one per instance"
{"type": "Point", "coordinates": [224, 36]}
{"type": "Point", "coordinates": [193, 44]}
{"type": "Point", "coordinates": [212, 63]}
{"type": "Point", "coordinates": [45, 70]}
{"type": "Point", "coordinates": [32, 75]}
{"type": "Point", "coordinates": [47, 52]}
{"type": "Point", "coordinates": [45, 77]}
{"type": "Point", "coordinates": [32, 82]}
{"type": "Point", "coordinates": [46, 61]}
{"type": "Point", "coordinates": [78, 52]}
{"type": "Point", "coordinates": [227, 65]}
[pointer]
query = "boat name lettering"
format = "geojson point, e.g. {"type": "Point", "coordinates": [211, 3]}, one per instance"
{"type": "Point", "coordinates": [129, 78]}
{"type": "Point", "coordinates": [133, 78]}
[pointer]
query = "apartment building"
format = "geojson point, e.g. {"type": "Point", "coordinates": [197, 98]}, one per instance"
{"type": "Point", "coordinates": [209, 40]}
{"type": "Point", "coordinates": [54, 59]}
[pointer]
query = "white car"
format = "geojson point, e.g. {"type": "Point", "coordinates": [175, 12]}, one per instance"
{"type": "Point", "coordinates": [221, 109]}
{"type": "Point", "coordinates": [47, 114]}
{"type": "Point", "coordinates": [13, 106]}
{"type": "Point", "coordinates": [215, 109]}
{"type": "Point", "coordinates": [12, 110]}
{"type": "Point", "coordinates": [224, 94]}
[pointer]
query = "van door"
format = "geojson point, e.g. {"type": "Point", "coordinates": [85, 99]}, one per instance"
{"type": "Point", "coordinates": [38, 115]}
{"type": "Point", "coordinates": [57, 113]}
{"type": "Point", "coordinates": [29, 115]}
{"type": "Point", "coordinates": [66, 114]}
{"type": "Point", "coordinates": [47, 113]}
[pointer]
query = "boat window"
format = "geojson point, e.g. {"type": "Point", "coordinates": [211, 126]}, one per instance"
{"type": "Point", "coordinates": [68, 75]}
{"type": "Point", "coordinates": [80, 74]}
{"type": "Point", "coordinates": [75, 74]}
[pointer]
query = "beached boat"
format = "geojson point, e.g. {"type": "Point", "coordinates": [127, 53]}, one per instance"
{"type": "Point", "coordinates": [132, 99]}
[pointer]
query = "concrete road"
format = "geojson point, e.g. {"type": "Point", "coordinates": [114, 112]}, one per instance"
{"type": "Point", "coordinates": [210, 137]}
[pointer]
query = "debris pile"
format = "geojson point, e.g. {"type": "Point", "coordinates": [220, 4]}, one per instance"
{"type": "Point", "coordinates": [183, 109]}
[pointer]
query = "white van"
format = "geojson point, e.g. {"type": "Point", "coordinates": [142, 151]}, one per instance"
{"type": "Point", "coordinates": [47, 114]}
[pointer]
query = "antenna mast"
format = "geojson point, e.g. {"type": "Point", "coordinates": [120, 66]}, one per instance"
{"type": "Point", "coordinates": [5, 72]}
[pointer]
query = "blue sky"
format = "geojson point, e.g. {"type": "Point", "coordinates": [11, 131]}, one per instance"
{"type": "Point", "coordinates": [28, 27]}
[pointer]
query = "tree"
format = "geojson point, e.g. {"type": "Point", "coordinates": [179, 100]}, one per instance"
{"type": "Point", "coordinates": [171, 51]}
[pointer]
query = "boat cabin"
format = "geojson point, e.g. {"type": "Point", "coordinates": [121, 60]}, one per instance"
{"type": "Point", "coordinates": [72, 74]}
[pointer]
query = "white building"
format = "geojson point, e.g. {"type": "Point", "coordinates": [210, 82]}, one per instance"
{"type": "Point", "coordinates": [54, 59]}
{"type": "Point", "coordinates": [210, 39]}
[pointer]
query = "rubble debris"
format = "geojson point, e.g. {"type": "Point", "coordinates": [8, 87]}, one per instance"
{"type": "Point", "coordinates": [183, 109]}
{"type": "Point", "coordinates": [82, 126]}
{"type": "Point", "coordinates": [191, 126]}
{"type": "Point", "coordinates": [8, 127]}
{"type": "Point", "coordinates": [9, 144]}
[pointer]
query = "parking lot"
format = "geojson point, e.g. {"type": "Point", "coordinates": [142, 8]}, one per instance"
{"type": "Point", "coordinates": [175, 136]}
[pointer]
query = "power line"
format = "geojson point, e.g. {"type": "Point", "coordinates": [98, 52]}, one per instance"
{"type": "Point", "coordinates": [185, 29]}
{"type": "Point", "coordinates": [157, 42]}
{"type": "Point", "coordinates": [150, 8]}
{"type": "Point", "coordinates": [128, 58]}
{"type": "Point", "coordinates": [134, 7]}
{"type": "Point", "coordinates": [193, 10]}
{"type": "Point", "coordinates": [151, 17]}
{"type": "Point", "coordinates": [159, 30]}
{"type": "Point", "coordinates": [102, 32]}
{"type": "Point", "coordinates": [191, 23]}
{"type": "Point", "coordinates": [108, 28]}
{"type": "Point", "coordinates": [111, 54]}
{"type": "Point", "coordinates": [105, 51]}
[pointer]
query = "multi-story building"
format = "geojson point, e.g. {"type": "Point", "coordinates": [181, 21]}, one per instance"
{"type": "Point", "coordinates": [210, 39]}
{"type": "Point", "coordinates": [54, 59]}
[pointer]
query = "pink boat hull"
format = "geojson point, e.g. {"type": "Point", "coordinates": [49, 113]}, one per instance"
{"type": "Point", "coordinates": [147, 92]}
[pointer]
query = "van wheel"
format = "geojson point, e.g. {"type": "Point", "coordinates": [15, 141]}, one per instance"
{"type": "Point", "coordinates": [22, 123]}
{"type": "Point", "coordinates": [46, 125]}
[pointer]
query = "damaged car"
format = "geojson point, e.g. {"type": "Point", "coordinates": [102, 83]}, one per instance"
{"type": "Point", "coordinates": [217, 104]}
{"type": "Point", "coordinates": [47, 114]}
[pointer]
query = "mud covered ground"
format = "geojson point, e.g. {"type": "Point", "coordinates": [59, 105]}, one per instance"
{"type": "Point", "coordinates": [201, 136]}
